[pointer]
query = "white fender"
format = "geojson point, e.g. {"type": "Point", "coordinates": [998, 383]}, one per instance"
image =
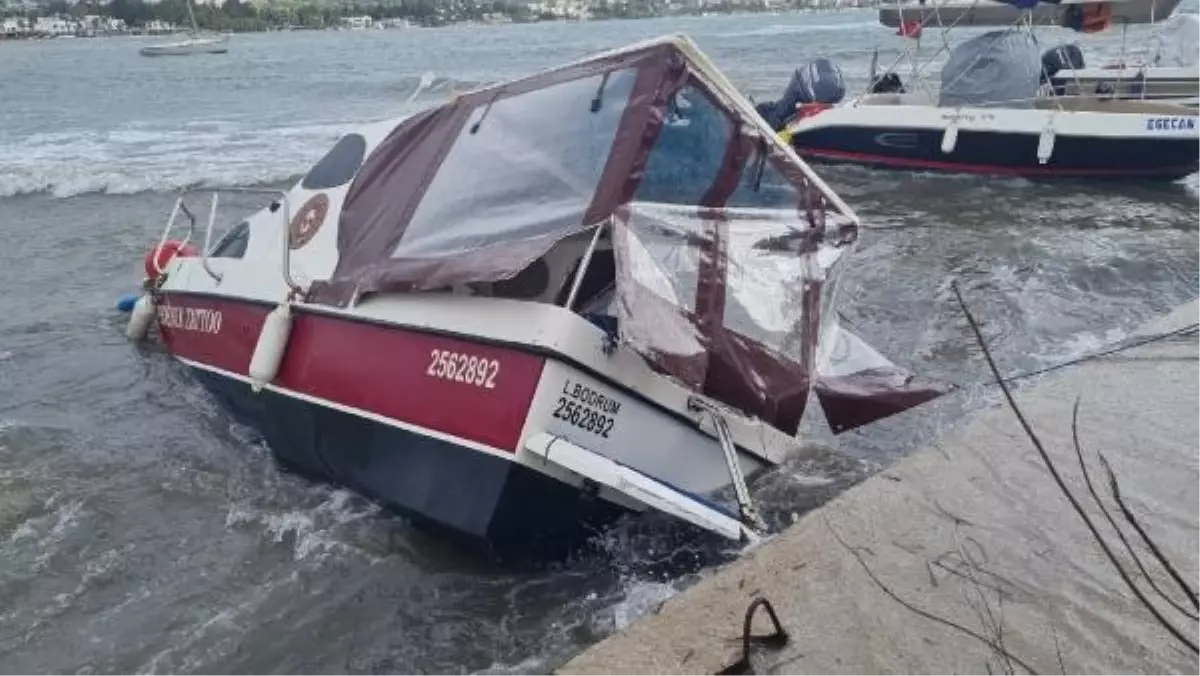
{"type": "Point", "coordinates": [950, 138]}
{"type": "Point", "coordinates": [271, 347]}
{"type": "Point", "coordinates": [1046, 143]}
{"type": "Point", "coordinates": [139, 318]}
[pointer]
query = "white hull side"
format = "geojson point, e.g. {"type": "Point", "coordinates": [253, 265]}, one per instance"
{"type": "Point", "coordinates": [668, 447]}
{"type": "Point", "coordinates": [219, 45]}
{"type": "Point", "coordinates": [1119, 121]}
{"type": "Point", "coordinates": [652, 431]}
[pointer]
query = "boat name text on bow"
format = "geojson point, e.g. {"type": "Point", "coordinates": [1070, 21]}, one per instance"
{"type": "Point", "coordinates": [1170, 123]}
{"type": "Point", "coordinates": [189, 319]}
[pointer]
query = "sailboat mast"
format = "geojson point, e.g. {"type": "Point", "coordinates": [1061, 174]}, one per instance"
{"type": "Point", "coordinates": [192, 16]}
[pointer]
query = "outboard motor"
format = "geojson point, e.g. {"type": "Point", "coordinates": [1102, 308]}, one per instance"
{"type": "Point", "coordinates": [888, 83]}
{"type": "Point", "coordinates": [1062, 57]}
{"type": "Point", "coordinates": [820, 81]}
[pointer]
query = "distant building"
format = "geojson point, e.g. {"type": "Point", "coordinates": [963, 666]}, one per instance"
{"type": "Point", "coordinates": [95, 24]}
{"type": "Point", "coordinates": [14, 27]}
{"type": "Point", "coordinates": [54, 26]}
{"type": "Point", "coordinates": [358, 23]}
{"type": "Point", "coordinates": [158, 26]}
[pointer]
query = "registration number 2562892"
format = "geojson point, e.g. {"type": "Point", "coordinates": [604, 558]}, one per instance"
{"type": "Point", "coordinates": [583, 417]}
{"type": "Point", "coordinates": [463, 368]}
{"type": "Point", "coordinates": [587, 408]}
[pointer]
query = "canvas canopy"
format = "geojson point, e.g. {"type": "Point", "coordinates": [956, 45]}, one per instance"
{"type": "Point", "coordinates": [995, 68]}
{"type": "Point", "coordinates": [723, 239]}
{"type": "Point", "coordinates": [1178, 41]}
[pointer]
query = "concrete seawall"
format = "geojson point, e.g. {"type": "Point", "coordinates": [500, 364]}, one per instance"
{"type": "Point", "coordinates": [974, 531]}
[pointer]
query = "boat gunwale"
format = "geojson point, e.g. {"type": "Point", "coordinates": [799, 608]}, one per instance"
{"type": "Point", "coordinates": [533, 349]}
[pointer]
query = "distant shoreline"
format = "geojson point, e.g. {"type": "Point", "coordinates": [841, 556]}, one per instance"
{"type": "Point", "coordinates": [506, 20]}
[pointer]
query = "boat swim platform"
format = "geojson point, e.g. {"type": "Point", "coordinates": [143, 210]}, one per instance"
{"type": "Point", "coordinates": [972, 530]}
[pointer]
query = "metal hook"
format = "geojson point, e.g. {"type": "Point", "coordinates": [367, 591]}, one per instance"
{"type": "Point", "coordinates": [773, 641]}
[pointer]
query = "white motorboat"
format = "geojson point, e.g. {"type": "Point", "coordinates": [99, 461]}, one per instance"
{"type": "Point", "coordinates": [1170, 73]}
{"type": "Point", "coordinates": [992, 114]}
{"type": "Point", "coordinates": [601, 289]}
{"type": "Point", "coordinates": [1179, 85]}
{"type": "Point", "coordinates": [1076, 14]}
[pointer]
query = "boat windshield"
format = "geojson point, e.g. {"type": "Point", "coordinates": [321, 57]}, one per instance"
{"type": "Point", "coordinates": [639, 175]}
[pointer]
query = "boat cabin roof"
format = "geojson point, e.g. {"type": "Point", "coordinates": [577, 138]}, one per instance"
{"type": "Point", "coordinates": [478, 188]}
{"type": "Point", "coordinates": [717, 244]}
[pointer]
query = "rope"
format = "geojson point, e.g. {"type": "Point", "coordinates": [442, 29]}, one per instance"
{"type": "Point", "coordinates": [1132, 343]}
{"type": "Point", "coordinates": [1189, 330]}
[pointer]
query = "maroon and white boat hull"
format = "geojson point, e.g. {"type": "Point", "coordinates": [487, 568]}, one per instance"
{"type": "Point", "coordinates": [600, 328]}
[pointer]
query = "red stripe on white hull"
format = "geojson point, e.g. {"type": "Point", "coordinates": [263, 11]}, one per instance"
{"type": "Point", "coordinates": [469, 390]}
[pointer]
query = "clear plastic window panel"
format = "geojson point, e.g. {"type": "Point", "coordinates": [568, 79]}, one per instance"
{"type": "Point", "coordinates": [764, 279]}
{"type": "Point", "coordinates": [689, 151]}
{"type": "Point", "coordinates": [761, 185]}
{"type": "Point", "coordinates": [662, 249]}
{"type": "Point", "coordinates": [523, 167]}
{"type": "Point", "coordinates": [663, 254]}
{"type": "Point", "coordinates": [659, 253]}
{"type": "Point", "coordinates": [769, 228]}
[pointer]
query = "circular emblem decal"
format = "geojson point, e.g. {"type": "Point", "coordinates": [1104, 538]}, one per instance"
{"type": "Point", "coordinates": [307, 221]}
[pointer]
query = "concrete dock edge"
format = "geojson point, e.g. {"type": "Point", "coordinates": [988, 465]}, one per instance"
{"type": "Point", "coordinates": [972, 530]}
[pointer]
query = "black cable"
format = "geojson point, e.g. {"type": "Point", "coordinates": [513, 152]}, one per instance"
{"type": "Point", "coordinates": [1190, 329]}
{"type": "Point", "coordinates": [1037, 444]}
{"type": "Point", "coordinates": [1187, 330]}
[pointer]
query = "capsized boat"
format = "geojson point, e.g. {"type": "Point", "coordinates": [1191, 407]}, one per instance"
{"type": "Point", "coordinates": [990, 115]}
{"type": "Point", "coordinates": [601, 289]}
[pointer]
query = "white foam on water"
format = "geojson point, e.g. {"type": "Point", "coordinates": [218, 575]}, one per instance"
{"type": "Point", "coordinates": [65, 518]}
{"type": "Point", "coordinates": [810, 480]}
{"type": "Point", "coordinates": [529, 665]}
{"type": "Point", "coordinates": [313, 532]}
{"type": "Point", "coordinates": [98, 571]}
{"type": "Point", "coordinates": [1192, 185]}
{"type": "Point", "coordinates": [23, 532]}
{"type": "Point", "coordinates": [190, 647]}
{"type": "Point", "coordinates": [134, 159]}
{"type": "Point", "coordinates": [793, 28]}
{"type": "Point", "coordinates": [1083, 344]}
{"type": "Point", "coordinates": [640, 598]}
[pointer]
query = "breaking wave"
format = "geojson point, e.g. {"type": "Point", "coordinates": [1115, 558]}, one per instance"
{"type": "Point", "coordinates": [142, 156]}
{"type": "Point", "coordinates": [137, 158]}
{"type": "Point", "coordinates": [792, 29]}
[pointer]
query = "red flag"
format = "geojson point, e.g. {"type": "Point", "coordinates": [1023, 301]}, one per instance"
{"type": "Point", "coordinates": [910, 29]}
